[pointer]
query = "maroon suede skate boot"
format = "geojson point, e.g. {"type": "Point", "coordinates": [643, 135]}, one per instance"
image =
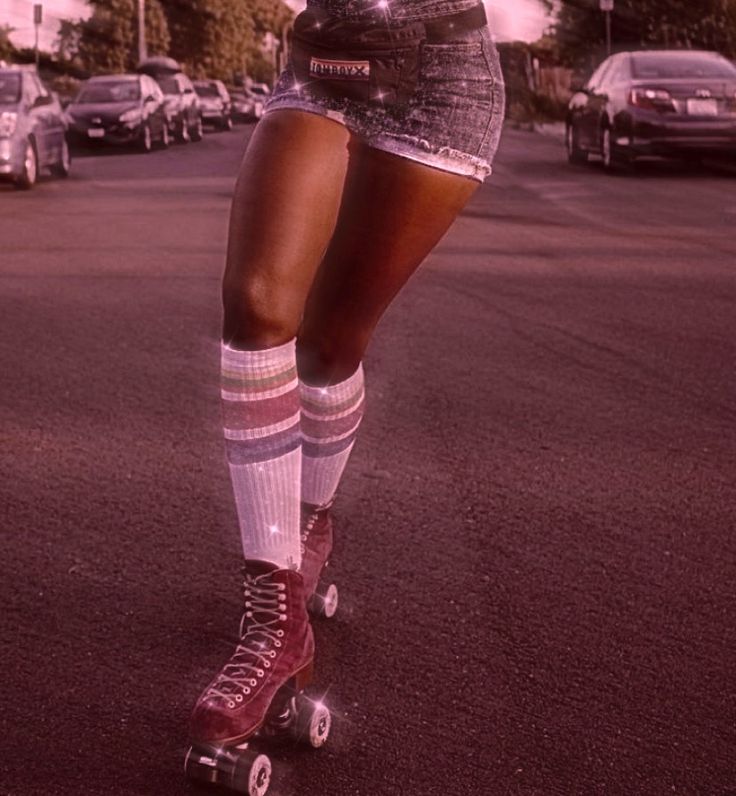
{"type": "Point", "coordinates": [276, 647]}
{"type": "Point", "coordinates": [317, 540]}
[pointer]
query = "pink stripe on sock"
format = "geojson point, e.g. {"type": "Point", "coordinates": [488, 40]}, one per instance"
{"type": "Point", "coordinates": [241, 415]}
{"type": "Point", "coordinates": [320, 429]}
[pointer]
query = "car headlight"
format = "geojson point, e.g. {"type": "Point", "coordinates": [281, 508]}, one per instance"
{"type": "Point", "coordinates": [131, 117]}
{"type": "Point", "coordinates": [8, 121]}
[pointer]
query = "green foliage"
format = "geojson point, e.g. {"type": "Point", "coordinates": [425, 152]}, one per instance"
{"type": "Point", "coordinates": [108, 40]}
{"type": "Point", "coordinates": [524, 103]}
{"type": "Point", "coordinates": [219, 38]}
{"type": "Point", "coordinates": [706, 24]}
{"type": "Point", "coordinates": [6, 46]}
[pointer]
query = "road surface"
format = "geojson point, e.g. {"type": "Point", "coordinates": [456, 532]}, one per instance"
{"type": "Point", "coordinates": [537, 558]}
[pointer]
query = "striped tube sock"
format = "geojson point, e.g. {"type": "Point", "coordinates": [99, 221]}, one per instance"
{"type": "Point", "coordinates": [260, 407]}
{"type": "Point", "coordinates": [330, 419]}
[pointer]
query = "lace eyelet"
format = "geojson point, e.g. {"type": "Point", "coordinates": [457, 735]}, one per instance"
{"type": "Point", "coordinates": [231, 705]}
{"type": "Point", "coordinates": [253, 682]}
{"type": "Point", "coordinates": [246, 690]}
{"type": "Point", "coordinates": [280, 633]}
{"type": "Point", "coordinates": [260, 672]}
{"type": "Point", "coordinates": [277, 643]}
{"type": "Point", "coordinates": [282, 586]}
{"type": "Point", "coordinates": [282, 617]}
{"type": "Point", "coordinates": [267, 664]}
{"type": "Point", "coordinates": [272, 653]}
{"type": "Point", "coordinates": [238, 697]}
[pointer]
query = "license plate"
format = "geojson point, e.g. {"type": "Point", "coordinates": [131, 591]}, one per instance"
{"type": "Point", "coordinates": [702, 107]}
{"type": "Point", "coordinates": [96, 132]}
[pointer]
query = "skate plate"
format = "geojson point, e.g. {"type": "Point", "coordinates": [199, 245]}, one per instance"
{"type": "Point", "coordinates": [242, 768]}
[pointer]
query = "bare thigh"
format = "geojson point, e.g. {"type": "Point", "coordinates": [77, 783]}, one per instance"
{"type": "Point", "coordinates": [283, 215]}
{"type": "Point", "coordinates": [394, 212]}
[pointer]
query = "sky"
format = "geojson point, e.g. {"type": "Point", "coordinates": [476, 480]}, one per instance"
{"type": "Point", "coordinates": [509, 19]}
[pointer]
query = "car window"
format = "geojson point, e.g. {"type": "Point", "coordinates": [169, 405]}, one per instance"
{"type": "Point", "coordinates": [10, 87]}
{"type": "Point", "coordinates": [169, 85]}
{"type": "Point", "coordinates": [110, 91]}
{"type": "Point", "coordinates": [617, 71]}
{"type": "Point", "coordinates": [681, 64]}
{"type": "Point", "coordinates": [595, 78]}
{"type": "Point", "coordinates": [603, 77]}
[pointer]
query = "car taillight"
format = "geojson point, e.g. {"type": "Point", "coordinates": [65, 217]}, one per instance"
{"type": "Point", "coordinates": [653, 99]}
{"type": "Point", "coordinates": [8, 120]}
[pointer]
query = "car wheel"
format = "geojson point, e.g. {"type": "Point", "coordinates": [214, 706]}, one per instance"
{"type": "Point", "coordinates": [29, 175]}
{"type": "Point", "coordinates": [145, 142]}
{"type": "Point", "coordinates": [165, 137]}
{"type": "Point", "coordinates": [575, 155]}
{"type": "Point", "coordinates": [197, 132]}
{"type": "Point", "coordinates": [183, 136]}
{"type": "Point", "coordinates": [63, 166]}
{"type": "Point", "coordinates": [614, 161]}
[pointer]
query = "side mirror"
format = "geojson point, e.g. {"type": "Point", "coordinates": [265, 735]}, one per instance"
{"type": "Point", "coordinates": [43, 99]}
{"type": "Point", "coordinates": [150, 98]}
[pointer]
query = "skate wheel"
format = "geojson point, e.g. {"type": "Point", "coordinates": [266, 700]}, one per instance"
{"type": "Point", "coordinates": [239, 769]}
{"type": "Point", "coordinates": [313, 723]}
{"type": "Point", "coordinates": [259, 777]}
{"type": "Point", "coordinates": [324, 602]}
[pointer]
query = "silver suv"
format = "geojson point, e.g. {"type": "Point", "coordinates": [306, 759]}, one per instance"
{"type": "Point", "coordinates": [32, 129]}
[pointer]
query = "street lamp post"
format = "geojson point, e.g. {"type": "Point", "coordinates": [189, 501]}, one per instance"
{"type": "Point", "coordinates": [142, 49]}
{"type": "Point", "coordinates": [607, 8]}
{"type": "Point", "coordinates": [37, 20]}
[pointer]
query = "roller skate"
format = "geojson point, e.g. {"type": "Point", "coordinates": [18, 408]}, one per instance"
{"type": "Point", "coordinates": [258, 696]}
{"type": "Point", "coordinates": [317, 538]}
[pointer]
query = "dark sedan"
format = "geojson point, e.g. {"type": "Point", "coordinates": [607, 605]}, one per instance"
{"type": "Point", "coordinates": [665, 103]}
{"type": "Point", "coordinates": [215, 103]}
{"type": "Point", "coordinates": [119, 109]}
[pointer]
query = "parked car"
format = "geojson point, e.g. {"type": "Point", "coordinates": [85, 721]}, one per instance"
{"type": "Point", "coordinates": [119, 109]}
{"type": "Point", "coordinates": [182, 107]}
{"type": "Point", "coordinates": [32, 129]}
{"type": "Point", "coordinates": [182, 104]}
{"type": "Point", "coordinates": [665, 103]}
{"type": "Point", "coordinates": [244, 105]}
{"type": "Point", "coordinates": [249, 102]}
{"type": "Point", "coordinates": [215, 102]}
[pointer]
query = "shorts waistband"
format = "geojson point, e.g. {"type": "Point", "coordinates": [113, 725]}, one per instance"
{"type": "Point", "coordinates": [444, 28]}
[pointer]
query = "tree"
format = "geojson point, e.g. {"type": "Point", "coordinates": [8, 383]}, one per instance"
{"type": "Point", "coordinates": [218, 38]}
{"type": "Point", "coordinates": [707, 24]}
{"type": "Point", "coordinates": [6, 46]}
{"type": "Point", "coordinates": [108, 40]}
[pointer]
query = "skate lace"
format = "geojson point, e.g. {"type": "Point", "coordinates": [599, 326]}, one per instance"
{"type": "Point", "coordinates": [265, 609]}
{"type": "Point", "coordinates": [307, 529]}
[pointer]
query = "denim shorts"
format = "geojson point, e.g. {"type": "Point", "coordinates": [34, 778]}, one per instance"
{"type": "Point", "coordinates": [454, 117]}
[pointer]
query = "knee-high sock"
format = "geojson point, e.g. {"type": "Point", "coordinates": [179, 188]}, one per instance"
{"type": "Point", "coordinates": [260, 401]}
{"type": "Point", "coordinates": [330, 419]}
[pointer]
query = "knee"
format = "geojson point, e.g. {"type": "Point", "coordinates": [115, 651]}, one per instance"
{"type": "Point", "coordinates": [330, 358]}
{"type": "Point", "coordinates": [256, 314]}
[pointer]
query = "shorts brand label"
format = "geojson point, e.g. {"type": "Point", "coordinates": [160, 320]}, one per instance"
{"type": "Point", "coordinates": [339, 70]}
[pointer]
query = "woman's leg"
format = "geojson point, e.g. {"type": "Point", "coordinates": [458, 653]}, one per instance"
{"type": "Point", "coordinates": [284, 211]}
{"type": "Point", "coordinates": [283, 214]}
{"type": "Point", "coordinates": [394, 212]}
